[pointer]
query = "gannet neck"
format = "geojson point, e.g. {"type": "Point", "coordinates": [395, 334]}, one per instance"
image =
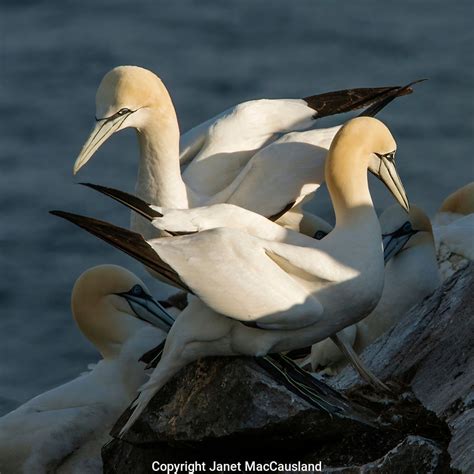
{"type": "Point", "coordinates": [346, 178]}
{"type": "Point", "coordinates": [159, 178]}
{"type": "Point", "coordinates": [362, 144]}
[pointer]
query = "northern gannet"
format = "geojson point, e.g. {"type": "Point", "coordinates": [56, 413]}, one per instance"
{"type": "Point", "coordinates": [241, 156]}
{"type": "Point", "coordinates": [453, 228]}
{"type": "Point", "coordinates": [288, 296]}
{"type": "Point", "coordinates": [411, 274]}
{"type": "Point", "coordinates": [67, 426]}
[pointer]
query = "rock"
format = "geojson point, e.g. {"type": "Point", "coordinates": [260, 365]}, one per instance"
{"type": "Point", "coordinates": [413, 454]}
{"type": "Point", "coordinates": [430, 351]}
{"type": "Point", "coordinates": [217, 403]}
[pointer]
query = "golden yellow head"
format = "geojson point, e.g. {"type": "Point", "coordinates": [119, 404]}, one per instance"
{"type": "Point", "coordinates": [369, 134]}
{"type": "Point", "coordinates": [130, 88]}
{"type": "Point", "coordinates": [128, 96]}
{"type": "Point", "coordinates": [110, 304]}
{"type": "Point", "coordinates": [362, 144]}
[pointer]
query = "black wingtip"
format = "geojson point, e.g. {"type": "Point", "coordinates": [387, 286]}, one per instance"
{"type": "Point", "coordinates": [129, 242]}
{"type": "Point", "coordinates": [133, 202]}
{"type": "Point", "coordinates": [384, 99]}
{"type": "Point", "coordinates": [346, 100]}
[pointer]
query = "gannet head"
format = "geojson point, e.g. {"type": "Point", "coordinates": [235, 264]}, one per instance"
{"type": "Point", "coordinates": [368, 138]}
{"type": "Point", "coordinates": [125, 98]}
{"type": "Point", "coordinates": [401, 231]}
{"type": "Point", "coordinates": [110, 304]}
{"type": "Point", "coordinates": [461, 201]}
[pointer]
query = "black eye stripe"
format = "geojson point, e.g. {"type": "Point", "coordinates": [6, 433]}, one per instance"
{"type": "Point", "coordinates": [118, 114]}
{"type": "Point", "coordinates": [390, 156]}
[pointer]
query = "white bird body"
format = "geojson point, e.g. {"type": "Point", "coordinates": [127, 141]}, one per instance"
{"type": "Point", "coordinates": [64, 428]}
{"type": "Point", "coordinates": [453, 228]}
{"type": "Point", "coordinates": [410, 276]}
{"type": "Point", "coordinates": [240, 156]}
{"type": "Point", "coordinates": [296, 294]}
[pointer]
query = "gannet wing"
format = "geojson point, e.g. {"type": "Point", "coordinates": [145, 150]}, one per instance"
{"type": "Point", "coordinates": [153, 213]}
{"type": "Point", "coordinates": [215, 151]}
{"type": "Point", "coordinates": [241, 281]}
{"type": "Point", "coordinates": [196, 219]}
{"type": "Point", "coordinates": [280, 174]}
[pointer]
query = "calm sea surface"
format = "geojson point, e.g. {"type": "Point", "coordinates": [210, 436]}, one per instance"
{"type": "Point", "coordinates": [211, 55]}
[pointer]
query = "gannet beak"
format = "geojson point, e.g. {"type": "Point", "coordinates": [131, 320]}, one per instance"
{"type": "Point", "coordinates": [384, 168]}
{"type": "Point", "coordinates": [101, 132]}
{"type": "Point", "coordinates": [149, 310]}
{"type": "Point", "coordinates": [395, 241]}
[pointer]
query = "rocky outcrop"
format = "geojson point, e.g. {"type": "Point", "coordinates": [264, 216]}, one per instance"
{"type": "Point", "coordinates": [413, 454]}
{"type": "Point", "coordinates": [230, 410]}
{"type": "Point", "coordinates": [217, 404]}
{"type": "Point", "coordinates": [431, 351]}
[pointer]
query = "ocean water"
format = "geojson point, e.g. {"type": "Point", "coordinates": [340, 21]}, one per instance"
{"type": "Point", "coordinates": [210, 55]}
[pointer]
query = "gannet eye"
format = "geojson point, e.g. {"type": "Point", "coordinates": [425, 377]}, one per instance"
{"type": "Point", "coordinates": [407, 227]}
{"type": "Point", "coordinates": [137, 290]}
{"type": "Point", "coordinates": [320, 235]}
{"type": "Point", "coordinates": [123, 111]}
{"type": "Point", "coordinates": [388, 156]}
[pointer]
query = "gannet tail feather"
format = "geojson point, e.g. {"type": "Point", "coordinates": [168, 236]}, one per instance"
{"type": "Point", "coordinates": [357, 363]}
{"type": "Point", "coordinates": [342, 101]}
{"type": "Point", "coordinates": [314, 391]}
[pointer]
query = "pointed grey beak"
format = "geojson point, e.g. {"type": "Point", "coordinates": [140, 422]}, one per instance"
{"type": "Point", "coordinates": [101, 132]}
{"type": "Point", "coordinates": [386, 171]}
{"type": "Point", "coordinates": [394, 242]}
{"type": "Point", "coordinates": [149, 310]}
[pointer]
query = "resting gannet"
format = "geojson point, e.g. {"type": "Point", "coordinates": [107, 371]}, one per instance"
{"type": "Point", "coordinates": [241, 156]}
{"type": "Point", "coordinates": [411, 274]}
{"type": "Point", "coordinates": [453, 228]}
{"type": "Point", "coordinates": [288, 296]}
{"type": "Point", "coordinates": [66, 427]}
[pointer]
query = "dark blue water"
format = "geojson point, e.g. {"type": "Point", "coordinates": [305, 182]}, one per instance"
{"type": "Point", "coordinates": [211, 55]}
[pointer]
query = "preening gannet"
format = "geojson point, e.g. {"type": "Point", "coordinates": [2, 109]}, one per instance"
{"type": "Point", "coordinates": [241, 156]}
{"type": "Point", "coordinates": [288, 296]}
{"type": "Point", "coordinates": [411, 274]}
{"type": "Point", "coordinates": [63, 430]}
{"type": "Point", "coordinates": [453, 228]}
